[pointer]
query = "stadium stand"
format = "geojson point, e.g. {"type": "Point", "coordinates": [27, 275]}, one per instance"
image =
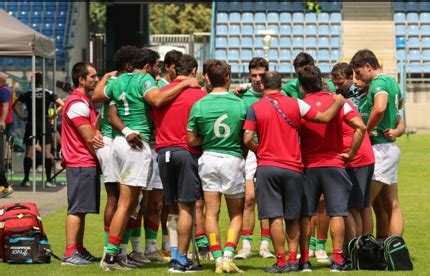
{"type": "Point", "coordinates": [237, 25]}
{"type": "Point", "coordinates": [49, 18]}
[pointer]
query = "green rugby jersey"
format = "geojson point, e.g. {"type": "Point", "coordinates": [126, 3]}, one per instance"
{"type": "Point", "coordinates": [385, 84]}
{"type": "Point", "coordinates": [128, 92]}
{"type": "Point", "coordinates": [250, 97]}
{"type": "Point", "coordinates": [105, 126]}
{"type": "Point", "coordinates": [292, 88]}
{"type": "Point", "coordinates": [219, 118]}
{"type": "Point", "coordinates": [161, 83]}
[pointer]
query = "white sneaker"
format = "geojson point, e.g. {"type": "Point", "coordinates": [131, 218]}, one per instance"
{"type": "Point", "coordinates": [155, 256]}
{"type": "Point", "coordinates": [49, 184]}
{"type": "Point", "coordinates": [265, 253]}
{"type": "Point", "coordinates": [243, 254]}
{"type": "Point", "coordinates": [311, 253]}
{"type": "Point", "coordinates": [321, 256]}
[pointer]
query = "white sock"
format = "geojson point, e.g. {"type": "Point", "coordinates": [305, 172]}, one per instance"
{"type": "Point", "coordinates": [135, 244]}
{"type": "Point", "coordinates": [218, 262]}
{"type": "Point", "coordinates": [165, 242]}
{"type": "Point", "coordinates": [246, 244]}
{"type": "Point", "coordinates": [228, 256]}
{"type": "Point", "coordinates": [264, 244]}
{"type": "Point", "coordinates": [150, 246]}
{"type": "Point", "coordinates": [123, 249]}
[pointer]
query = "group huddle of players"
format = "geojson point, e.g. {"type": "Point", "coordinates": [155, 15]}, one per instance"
{"type": "Point", "coordinates": [304, 148]}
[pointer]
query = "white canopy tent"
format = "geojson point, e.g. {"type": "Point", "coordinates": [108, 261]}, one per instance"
{"type": "Point", "coordinates": [19, 40]}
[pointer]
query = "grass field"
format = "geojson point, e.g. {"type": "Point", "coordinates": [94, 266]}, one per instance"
{"type": "Point", "coordinates": [414, 186]}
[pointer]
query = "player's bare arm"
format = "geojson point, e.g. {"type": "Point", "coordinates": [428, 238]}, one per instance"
{"type": "Point", "coordinates": [60, 104]}
{"type": "Point", "coordinates": [133, 137]}
{"type": "Point", "coordinates": [379, 107]}
{"type": "Point", "coordinates": [359, 131]}
{"type": "Point", "coordinates": [99, 94]}
{"type": "Point", "coordinates": [392, 134]}
{"type": "Point", "coordinates": [17, 109]}
{"type": "Point", "coordinates": [157, 99]}
{"type": "Point", "coordinates": [248, 140]}
{"type": "Point", "coordinates": [87, 133]}
{"type": "Point", "coordinates": [194, 139]}
{"type": "Point", "coordinates": [330, 113]}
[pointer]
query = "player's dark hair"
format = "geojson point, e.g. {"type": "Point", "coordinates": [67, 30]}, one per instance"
{"type": "Point", "coordinates": [172, 57]}
{"type": "Point", "coordinates": [145, 56]}
{"type": "Point", "coordinates": [310, 78]}
{"type": "Point", "coordinates": [272, 80]}
{"type": "Point", "coordinates": [303, 59]}
{"type": "Point", "coordinates": [79, 70]}
{"type": "Point", "coordinates": [218, 72]}
{"type": "Point", "coordinates": [365, 56]}
{"type": "Point", "coordinates": [206, 65]}
{"type": "Point", "coordinates": [342, 69]}
{"type": "Point", "coordinates": [38, 78]}
{"type": "Point", "coordinates": [124, 57]}
{"type": "Point", "coordinates": [258, 62]}
{"type": "Point", "coordinates": [185, 65]}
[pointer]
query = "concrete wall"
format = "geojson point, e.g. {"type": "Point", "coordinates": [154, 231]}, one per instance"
{"type": "Point", "coordinates": [417, 115]}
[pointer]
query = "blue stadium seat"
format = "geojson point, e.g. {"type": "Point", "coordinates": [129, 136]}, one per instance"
{"type": "Point", "coordinates": [47, 26]}
{"type": "Point", "coordinates": [12, 6]}
{"type": "Point", "coordinates": [298, 42]}
{"type": "Point", "coordinates": [311, 17]}
{"type": "Point", "coordinates": [273, 17]}
{"type": "Point", "coordinates": [234, 66]}
{"type": "Point", "coordinates": [335, 42]}
{"type": "Point", "coordinates": [295, 52]}
{"type": "Point", "coordinates": [13, 13]}
{"type": "Point", "coordinates": [221, 29]}
{"type": "Point", "coordinates": [60, 32]}
{"type": "Point", "coordinates": [285, 18]}
{"type": "Point", "coordinates": [61, 19]}
{"type": "Point", "coordinates": [274, 28]}
{"type": "Point", "coordinates": [323, 30]}
{"type": "Point", "coordinates": [222, 6]}
{"type": "Point", "coordinates": [324, 67]}
{"type": "Point", "coordinates": [334, 55]}
{"type": "Point", "coordinates": [285, 42]}
{"type": "Point", "coordinates": [248, 6]}
{"type": "Point", "coordinates": [285, 54]}
{"type": "Point", "coordinates": [25, 6]}
{"type": "Point", "coordinates": [259, 27]}
{"type": "Point", "coordinates": [258, 53]}
{"type": "Point", "coordinates": [221, 54]}
{"type": "Point", "coordinates": [298, 30]}
{"type": "Point", "coordinates": [36, 17]}
{"type": "Point", "coordinates": [221, 42]}
{"type": "Point", "coordinates": [399, 17]}
{"type": "Point", "coordinates": [51, 6]}
{"type": "Point", "coordinates": [274, 43]}
{"type": "Point", "coordinates": [335, 5]}
{"type": "Point", "coordinates": [425, 18]}
{"type": "Point", "coordinates": [311, 42]}
{"type": "Point", "coordinates": [23, 17]}
{"type": "Point", "coordinates": [425, 30]}
{"type": "Point", "coordinates": [426, 67]}
{"type": "Point", "coordinates": [222, 17]}
{"type": "Point", "coordinates": [312, 52]}
{"type": "Point", "coordinates": [285, 29]}
{"type": "Point", "coordinates": [58, 39]}
{"type": "Point", "coordinates": [298, 6]}
{"type": "Point", "coordinates": [413, 30]}
{"type": "Point", "coordinates": [285, 68]}
{"type": "Point", "coordinates": [400, 29]}
{"type": "Point", "coordinates": [414, 55]}
{"type": "Point", "coordinates": [3, 6]}
{"type": "Point", "coordinates": [412, 17]}
{"type": "Point", "coordinates": [323, 42]}
{"type": "Point", "coordinates": [311, 30]}
{"type": "Point", "coordinates": [35, 26]}
{"type": "Point", "coordinates": [48, 17]}
{"type": "Point", "coordinates": [323, 55]}
{"type": "Point", "coordinates": [235, 6]}
{"type": "Point", "coordinates": [260, 17]}
{"type": "Point", "coordinates": [48, 33]}
{"type": "Point", "coordinates": [335, 30]}
{"type": "Point", "coordinates": [413, 67]}
{"type": "Point", "coordinates": [399, 6]}
{"type": "Point", "coordinates": [37, 6]}
{"type": "Point", "coordinates": [246, 42]}
{"type": "Point", "coordinates": [413, 42]}
{"type": "Point", "coordinates": [233, 55]}
{"type": "Point", "coordinates": [245, 55]}
{"type": "Point", "coordinates": [424, 6]}
{"type": "Point", "coordinates": [400, 54]}
{"type": "Point", "coordinates": [247, 17]}
{"type": "Point", "coordinates": [234, 17]}
{"type": "Point", "coordinates": [285, 5]}
{"type": "Point", "coordinates": [400, 42]}
{"type": "Point", "coordinates": [411, 6]}
{"type": "Point", "coordinates": [336, 17]}
{"type": "Point", "coordinates": [247, 30]}
{"type": "Point", "coordinates": [233, 42]}
{"type": "Point", "coordinates": [260, 5]}
{"type": "Point", "coordinates": [273, 55]}
{"type": "Point", "coordinates": [234, 29]}
{"type": "Point", "coordinates": [298, 17]}
{"type": "Point", "coordinates": [273, 6]}
{"type": "Point", "coordinates": [258, 42]}
{"type": "Point", "coordinates": [426, 55]}
{"type": "Point", "coordinates": [425, 42]}
{"type": "Point", "coordinates": [63, 6]}
{"type": "Point", "coordinates": [323, 17]}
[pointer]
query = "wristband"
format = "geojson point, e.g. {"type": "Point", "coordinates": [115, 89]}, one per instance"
{"type": "Point", "coordinates": [127, 131]}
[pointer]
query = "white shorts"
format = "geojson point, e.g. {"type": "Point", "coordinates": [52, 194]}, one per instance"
{"type": "Point", "coordinates": [107, 162]}
{"type": "Point", "coordinates": [155, 182]}
{"type": "Point", "coordinates": [134, 166]}
{"type": "Point", "coordinates": [222, 173]}
{"type": "Point", "coordinates": [387, 157]}
{"type": "Point", "coordinates": [250, 166]}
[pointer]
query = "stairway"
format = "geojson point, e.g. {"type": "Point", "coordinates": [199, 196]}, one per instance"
{"type": "Point", "coordinates": [369, 25]}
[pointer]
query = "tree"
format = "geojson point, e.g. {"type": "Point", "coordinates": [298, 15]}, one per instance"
{"type": "Point", "coordinates": [180, 18]}
{"type": "Point", "coordinates": [97, 17]}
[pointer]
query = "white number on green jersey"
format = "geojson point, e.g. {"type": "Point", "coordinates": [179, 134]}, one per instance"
{"type": "Point", "coordinates": [219, 125]}
{"type": "Point", "coordinates": [124, 99]}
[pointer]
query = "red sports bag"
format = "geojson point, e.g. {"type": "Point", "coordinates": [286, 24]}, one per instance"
{"type": "Point", "coordinates": [18, 218]}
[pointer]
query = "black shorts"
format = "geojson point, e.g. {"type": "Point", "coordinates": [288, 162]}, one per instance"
{"type": "Point", "coordinates": [83, 190]}
{"type": "Point", "coordinates": [334, 183]}
{"type": "Point", "coordinates": [361, 179]}
{"type": "Point", "coordinates": [278, 192]}
{"type": "Point", "coordinates": [179, 175]}
{"type": "Point", "coordinates": [28, 132]}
